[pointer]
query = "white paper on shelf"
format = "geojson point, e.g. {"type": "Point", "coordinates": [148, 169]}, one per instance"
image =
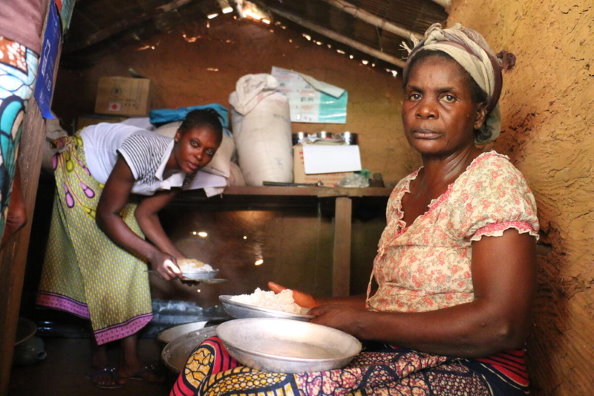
{"type": "Point", "coordinates": [331, 158]}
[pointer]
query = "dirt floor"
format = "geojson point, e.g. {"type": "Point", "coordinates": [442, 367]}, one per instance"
{"type": "Point", "coordinates": [64, 372]}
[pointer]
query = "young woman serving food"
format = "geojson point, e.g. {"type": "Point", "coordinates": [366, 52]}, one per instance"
{"type": "Point", "coordinates": [111, 182]}
{"type": "Point", "coordinates": [448, 303]}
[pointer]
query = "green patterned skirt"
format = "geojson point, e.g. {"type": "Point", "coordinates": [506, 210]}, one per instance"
{"type": "Point", "coordinates": [86, 273]}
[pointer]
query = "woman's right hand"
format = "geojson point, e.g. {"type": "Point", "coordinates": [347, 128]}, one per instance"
{"type": "Point", "coordinates": [302, 299]}
{"type": "Point", "coordinates": [165, 265]}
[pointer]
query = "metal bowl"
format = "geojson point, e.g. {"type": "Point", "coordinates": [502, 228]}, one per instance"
{"type": "Point", "coordinates": [176, 353]}
{"type": "Point", "coordinates": [172, 333]}
{"type": "Point", "coordinates": [287, 346]}
{"type": "Point", "coordinates": [241, 310]}
{"type": "Point", "coordinates": [25, 330]}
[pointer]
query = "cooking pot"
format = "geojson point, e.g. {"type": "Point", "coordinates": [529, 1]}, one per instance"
{"type": "Point", "coordinates": [29, 351]}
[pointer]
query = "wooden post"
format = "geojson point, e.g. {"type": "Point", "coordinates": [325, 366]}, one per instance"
{"type": "Point", "coordinates": [13, 257]}
{"type": "Point", "coordinates": [341, 266]}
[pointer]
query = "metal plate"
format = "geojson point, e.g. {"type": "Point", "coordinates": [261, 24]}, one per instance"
{"type": "Point", "coordinates": [209, 276]}
{"type": "Point", "coordinates": [172, 333]}
{"type": "Point", "coordinates": [241, 310]}
{"type": "Point", "coordinates": [176, 353]}
{"type": "Point", "coordinates": [200, 275]}
{"type": "Point", "coordinates": [288, 346]}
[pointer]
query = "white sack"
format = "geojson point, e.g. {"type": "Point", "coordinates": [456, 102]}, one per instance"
{"type": "Point", "coordinates": [262, 130]}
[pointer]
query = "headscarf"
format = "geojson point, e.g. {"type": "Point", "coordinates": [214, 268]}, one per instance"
{"type": "Point", "coordinates": [470, 50]}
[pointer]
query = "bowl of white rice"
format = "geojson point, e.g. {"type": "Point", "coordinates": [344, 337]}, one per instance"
{"type": "Point", "coordinates": [264, 304]}
{"type": "Point", "coordinates": [196, 270]}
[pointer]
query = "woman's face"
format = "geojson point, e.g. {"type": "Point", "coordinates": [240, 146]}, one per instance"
{"type": "Point", "coordinates": [195, 148]}
{"type": "Point", "coordinates": [438, 113]}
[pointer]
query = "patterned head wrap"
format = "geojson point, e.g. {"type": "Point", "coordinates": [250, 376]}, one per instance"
{"type": "Point", "coordinates": [469, 49]}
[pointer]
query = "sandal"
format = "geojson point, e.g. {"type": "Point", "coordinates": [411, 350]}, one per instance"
{"type": "Point", "coordinates": [150, 373]}
{"type": "Point", "coordinates": [109, 375]}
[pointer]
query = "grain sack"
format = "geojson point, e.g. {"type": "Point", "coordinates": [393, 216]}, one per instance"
{"type": "Point", "coordinates": [262, 130]}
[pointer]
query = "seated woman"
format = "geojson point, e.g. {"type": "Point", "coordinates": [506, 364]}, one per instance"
{"type": "Point", "coordinates": [111, 182]}
{"type": "Point", "coordinates": [448, 304]}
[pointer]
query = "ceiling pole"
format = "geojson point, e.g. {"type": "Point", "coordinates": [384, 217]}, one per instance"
{"type": "Point", "coordinates": [338, 37]}
{"type": "Point", "coordinates": [122, 25]}
{"type": "Point", "coordinates": [446, 4]}
{"type": "Point", "coordinates": [373, 19]}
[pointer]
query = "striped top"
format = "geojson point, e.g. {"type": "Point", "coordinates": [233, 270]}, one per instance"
{"type": "Point", "coordinates": [145, 152]}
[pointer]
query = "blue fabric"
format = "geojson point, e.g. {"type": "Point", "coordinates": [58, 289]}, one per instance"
{"type": "Point", "coordinates": [163, 116]}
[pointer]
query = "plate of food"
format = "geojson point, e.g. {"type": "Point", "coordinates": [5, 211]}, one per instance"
{"type": "Point", "coordinates": [287, 346]}
{"type": "Point", "coordinates": [264, 304]}
{"type": "Point", "coordinates": [196, 270]}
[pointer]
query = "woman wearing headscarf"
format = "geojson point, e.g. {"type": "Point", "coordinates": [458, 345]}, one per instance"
{"type": "Point", "coordinates": [448, 303]}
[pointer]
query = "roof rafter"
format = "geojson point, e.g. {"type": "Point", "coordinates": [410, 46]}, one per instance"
{"type": "Point", "coordinates": [446, 4]}
{"type": "Point", "coordinates": [338, 37]}
{"type": "Point", "coordinates": [123, 24]}
{"type": "Point", "coordinates": [372, 19]}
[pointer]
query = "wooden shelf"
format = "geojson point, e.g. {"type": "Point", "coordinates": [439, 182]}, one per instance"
{"type": "Point", "coordinates": [320, 192]}
{"type": "Point", "coordinates": [270, 197]}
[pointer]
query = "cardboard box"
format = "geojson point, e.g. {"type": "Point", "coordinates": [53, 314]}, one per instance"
{"type": "Point", "coordinates": [299, 176]}
{"type": "Point", "coordinates": [123, 96]}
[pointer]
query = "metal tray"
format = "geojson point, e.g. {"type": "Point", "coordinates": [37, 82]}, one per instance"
{"type": "Point", "coordinates": [287, 346]}
{"type": "Point", "coordinates": [176, 353]}
{"type": "Point", "coordinates": [174, 332]}
{"type": "Point", "coordinates": [242, 310]}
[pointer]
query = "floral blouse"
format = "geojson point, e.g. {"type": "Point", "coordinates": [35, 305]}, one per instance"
{"type": "Point", "coordinates": [426, 266]}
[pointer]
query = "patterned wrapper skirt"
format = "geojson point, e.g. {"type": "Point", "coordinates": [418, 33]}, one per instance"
{"type": "Point", "coordinates": [84, 272]}
{"type": "Point", "coordinates": [18, 69]}
{"type": "Point", "coordinates": [379, 370]}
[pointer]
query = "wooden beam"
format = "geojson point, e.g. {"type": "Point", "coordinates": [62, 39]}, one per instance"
{"type": "Point", "coordinates": [339, 38]}
{"type": "Point", "coordinates": [13, 256]}
{"type": "Point", "coordinates": [446, 4]}
{"type": "Point", "coordinates": [121, 25]}
{"type": "Point", "coordinates": [372, 19]}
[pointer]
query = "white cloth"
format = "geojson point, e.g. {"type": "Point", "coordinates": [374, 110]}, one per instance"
{"type": "Point", "coordinates": [250, 90]}
{"type": "Point", "coordinates": [145, 152]}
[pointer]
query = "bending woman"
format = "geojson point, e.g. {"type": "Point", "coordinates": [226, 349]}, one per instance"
{"type": "Point", "coordinates": [448, 303]}
{"type": "Point", "coordinates": [111, 182]}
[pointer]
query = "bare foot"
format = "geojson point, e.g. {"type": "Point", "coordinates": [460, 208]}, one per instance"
{"type": "Point", "coordinates": [149, 373]}
{"type": "Point", "coordinates": [106, 378]}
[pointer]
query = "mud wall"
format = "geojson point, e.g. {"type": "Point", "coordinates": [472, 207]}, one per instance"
{"type": "Point", "coordinates": [547, 107]}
